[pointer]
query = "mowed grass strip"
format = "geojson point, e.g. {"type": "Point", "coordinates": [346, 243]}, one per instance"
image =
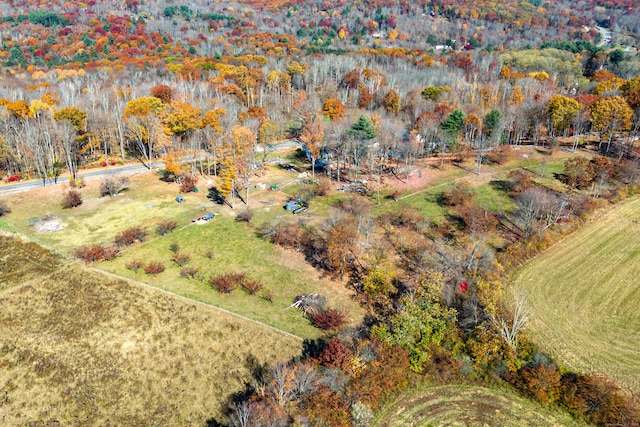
{"type": "Point", "coordinates": [235, 248]}
{"type": "Point", "coordinates": [82, 348]}
{"type": "Point", "coordinates": [462, 405]}
{"type": "Point", "coordinates": [585, 296]}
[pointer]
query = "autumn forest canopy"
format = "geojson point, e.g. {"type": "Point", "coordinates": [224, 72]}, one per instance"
{"type": "Point", "coordinates": [524, 116]}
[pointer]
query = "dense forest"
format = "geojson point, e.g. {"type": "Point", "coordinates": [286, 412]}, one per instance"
{"type": "Point", "coordinates": [374, 91]}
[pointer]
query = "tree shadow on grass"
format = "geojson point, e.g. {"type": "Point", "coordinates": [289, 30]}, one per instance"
{"type": "Point", "coordinates": [501, 185]}
{"type": "Point", "coordinates": [215, 197]}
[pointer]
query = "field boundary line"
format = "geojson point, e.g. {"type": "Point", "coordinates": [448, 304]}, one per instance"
{"type": "Point", "coordinates": [442, 184]}
{"type": "Point", "coordinates": [191, 300]}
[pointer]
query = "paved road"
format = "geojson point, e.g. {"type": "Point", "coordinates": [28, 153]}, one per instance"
{"type": "Point", "coordinates": [606, 36]}
{"type": "Point", "coordinates": [124, 170]}
{"type": "Point", "coordinates": [91, 174]}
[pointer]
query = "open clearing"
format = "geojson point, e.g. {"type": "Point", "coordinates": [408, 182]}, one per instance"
{"type": "Point", "coordinates": [80, 348]}
{"type": "Point", "coordinates": [219, 246]}
{"type": "Point", "coordinates": [461, 405]}
{"type": "Point", "coordinates": [236, 248]}
{"type": "Point", "coordinates": [585, 296]}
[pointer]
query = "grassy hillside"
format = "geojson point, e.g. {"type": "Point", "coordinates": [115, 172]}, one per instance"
{"type": "Point", "coordinates": [77, 346]}
{"type": "Point", "coordinates": [223, 245]}
{"type": "Point", "coordinates": [236, 248]}
{"type": "Point", "coordinates": [585, 296]}
{"type": "Point", "coordinates": [459, 405]}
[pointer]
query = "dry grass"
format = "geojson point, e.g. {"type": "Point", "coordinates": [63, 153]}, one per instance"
{"type": "Point", "coordinates": [459, 405]}
{"type": "Point", "coordinates": [84, 349]}
{"type": "Point", "coordinates": [585, 296]}
{"type": "Point", "coordinates": [22, 262]}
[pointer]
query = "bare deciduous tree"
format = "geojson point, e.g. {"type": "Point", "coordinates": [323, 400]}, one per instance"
{"type": "Point", "coordinates": [510, 328]}
{"type": "Point", "coordinates": [538, 210]}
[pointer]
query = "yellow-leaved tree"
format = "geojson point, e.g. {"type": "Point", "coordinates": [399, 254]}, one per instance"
{"type": "Point", "coordinates": [610, 115]}
{"type": "Point", "coordinates": [562, 111]}
{"type": "Point", "coordinates": [213, 130]}
{"type": "Point", "coordinates": [71, 123]}
{"type": "Point", "coordinates": [238, 159]}
{"type": "Point", "coordinates": [145, 130]}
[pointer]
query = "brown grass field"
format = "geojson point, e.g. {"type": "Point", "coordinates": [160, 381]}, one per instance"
{"type": "Point", "coordinates": [80, 348]}
{"type": "Point", "coordinates": [461, 405]}
{"type": "Point", "coordinates": [22, 262]}
{"type": "Point", "coordinates": [585, 296]}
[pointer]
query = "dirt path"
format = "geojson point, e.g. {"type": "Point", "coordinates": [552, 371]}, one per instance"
{"type": "Point", "coordinates": [479, 179]}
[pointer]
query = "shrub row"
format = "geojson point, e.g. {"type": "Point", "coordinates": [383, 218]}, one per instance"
{"type": "Point", "coordinates": [94, 253]}
{"type": "Point", "coordinates": [228, 282]}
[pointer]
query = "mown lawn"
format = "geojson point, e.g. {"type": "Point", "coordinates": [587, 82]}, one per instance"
{"type": "Point", "coordinates": [146, 201]}
{"type": "Point", "coordinates": [585, 296]}
{"type": "Point", "coordinates": [235, 247]}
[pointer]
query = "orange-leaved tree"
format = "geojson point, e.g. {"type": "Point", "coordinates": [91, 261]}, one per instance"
{"type": "Point", "coordinates": [333, 109]}
{"type": "Point", "coordinates": [313, 137]}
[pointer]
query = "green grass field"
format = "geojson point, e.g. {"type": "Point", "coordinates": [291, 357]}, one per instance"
{"type": "Point", "coordinates": [98, 219]}
{"type": "Point", "coordinates": [81, 348]}
{"type": "Point", "coordinates": [461, 405]}
{"type": "Point", "coordinates": [585, 296]}
{"type": "Point", "coordinates": [236, 248]}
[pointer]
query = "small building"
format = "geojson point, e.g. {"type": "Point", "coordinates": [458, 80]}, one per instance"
{"type": "Point", "coordinates": [179, 199]}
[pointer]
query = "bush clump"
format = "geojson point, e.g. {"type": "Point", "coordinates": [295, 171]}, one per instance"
{"type": "Point", "coordinates": [288, 236]}
{"type": "Point", "coordinates": [71, 199]}
{"type": "Point", "coordinates": [4, 208]}
{"type": "Point", "coordinates": [244, 216]}
{"type": "Point", "coordinates": [499, 155]}
{"type": "Point", "coordinates": [134, 265]}
{"type": "Point", "coordinates": [112, 185]}
{"type": "Point", "coordinates": [190, 272]}
{"type": "Point", "coordinates": [154, 268]}
{"type": "Point", "coordinates": [252, 286]}
{"type": "Point", "coordinates": [457, 195]}
{"type": "Point", "coordinates": [95, 252]}
{"type": "Point", "coordinates": [188, 183]}
{"type": "Point", "coordinates": [165, 226]}
{"type": "Point", "coordinates": [329, 319]}
{"type": "Point", "coordinates": [227, 282]}
{"type": "Point", "coordinates": [129, 236]}
{"type": "Point", "coordinates": [181, 258]}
